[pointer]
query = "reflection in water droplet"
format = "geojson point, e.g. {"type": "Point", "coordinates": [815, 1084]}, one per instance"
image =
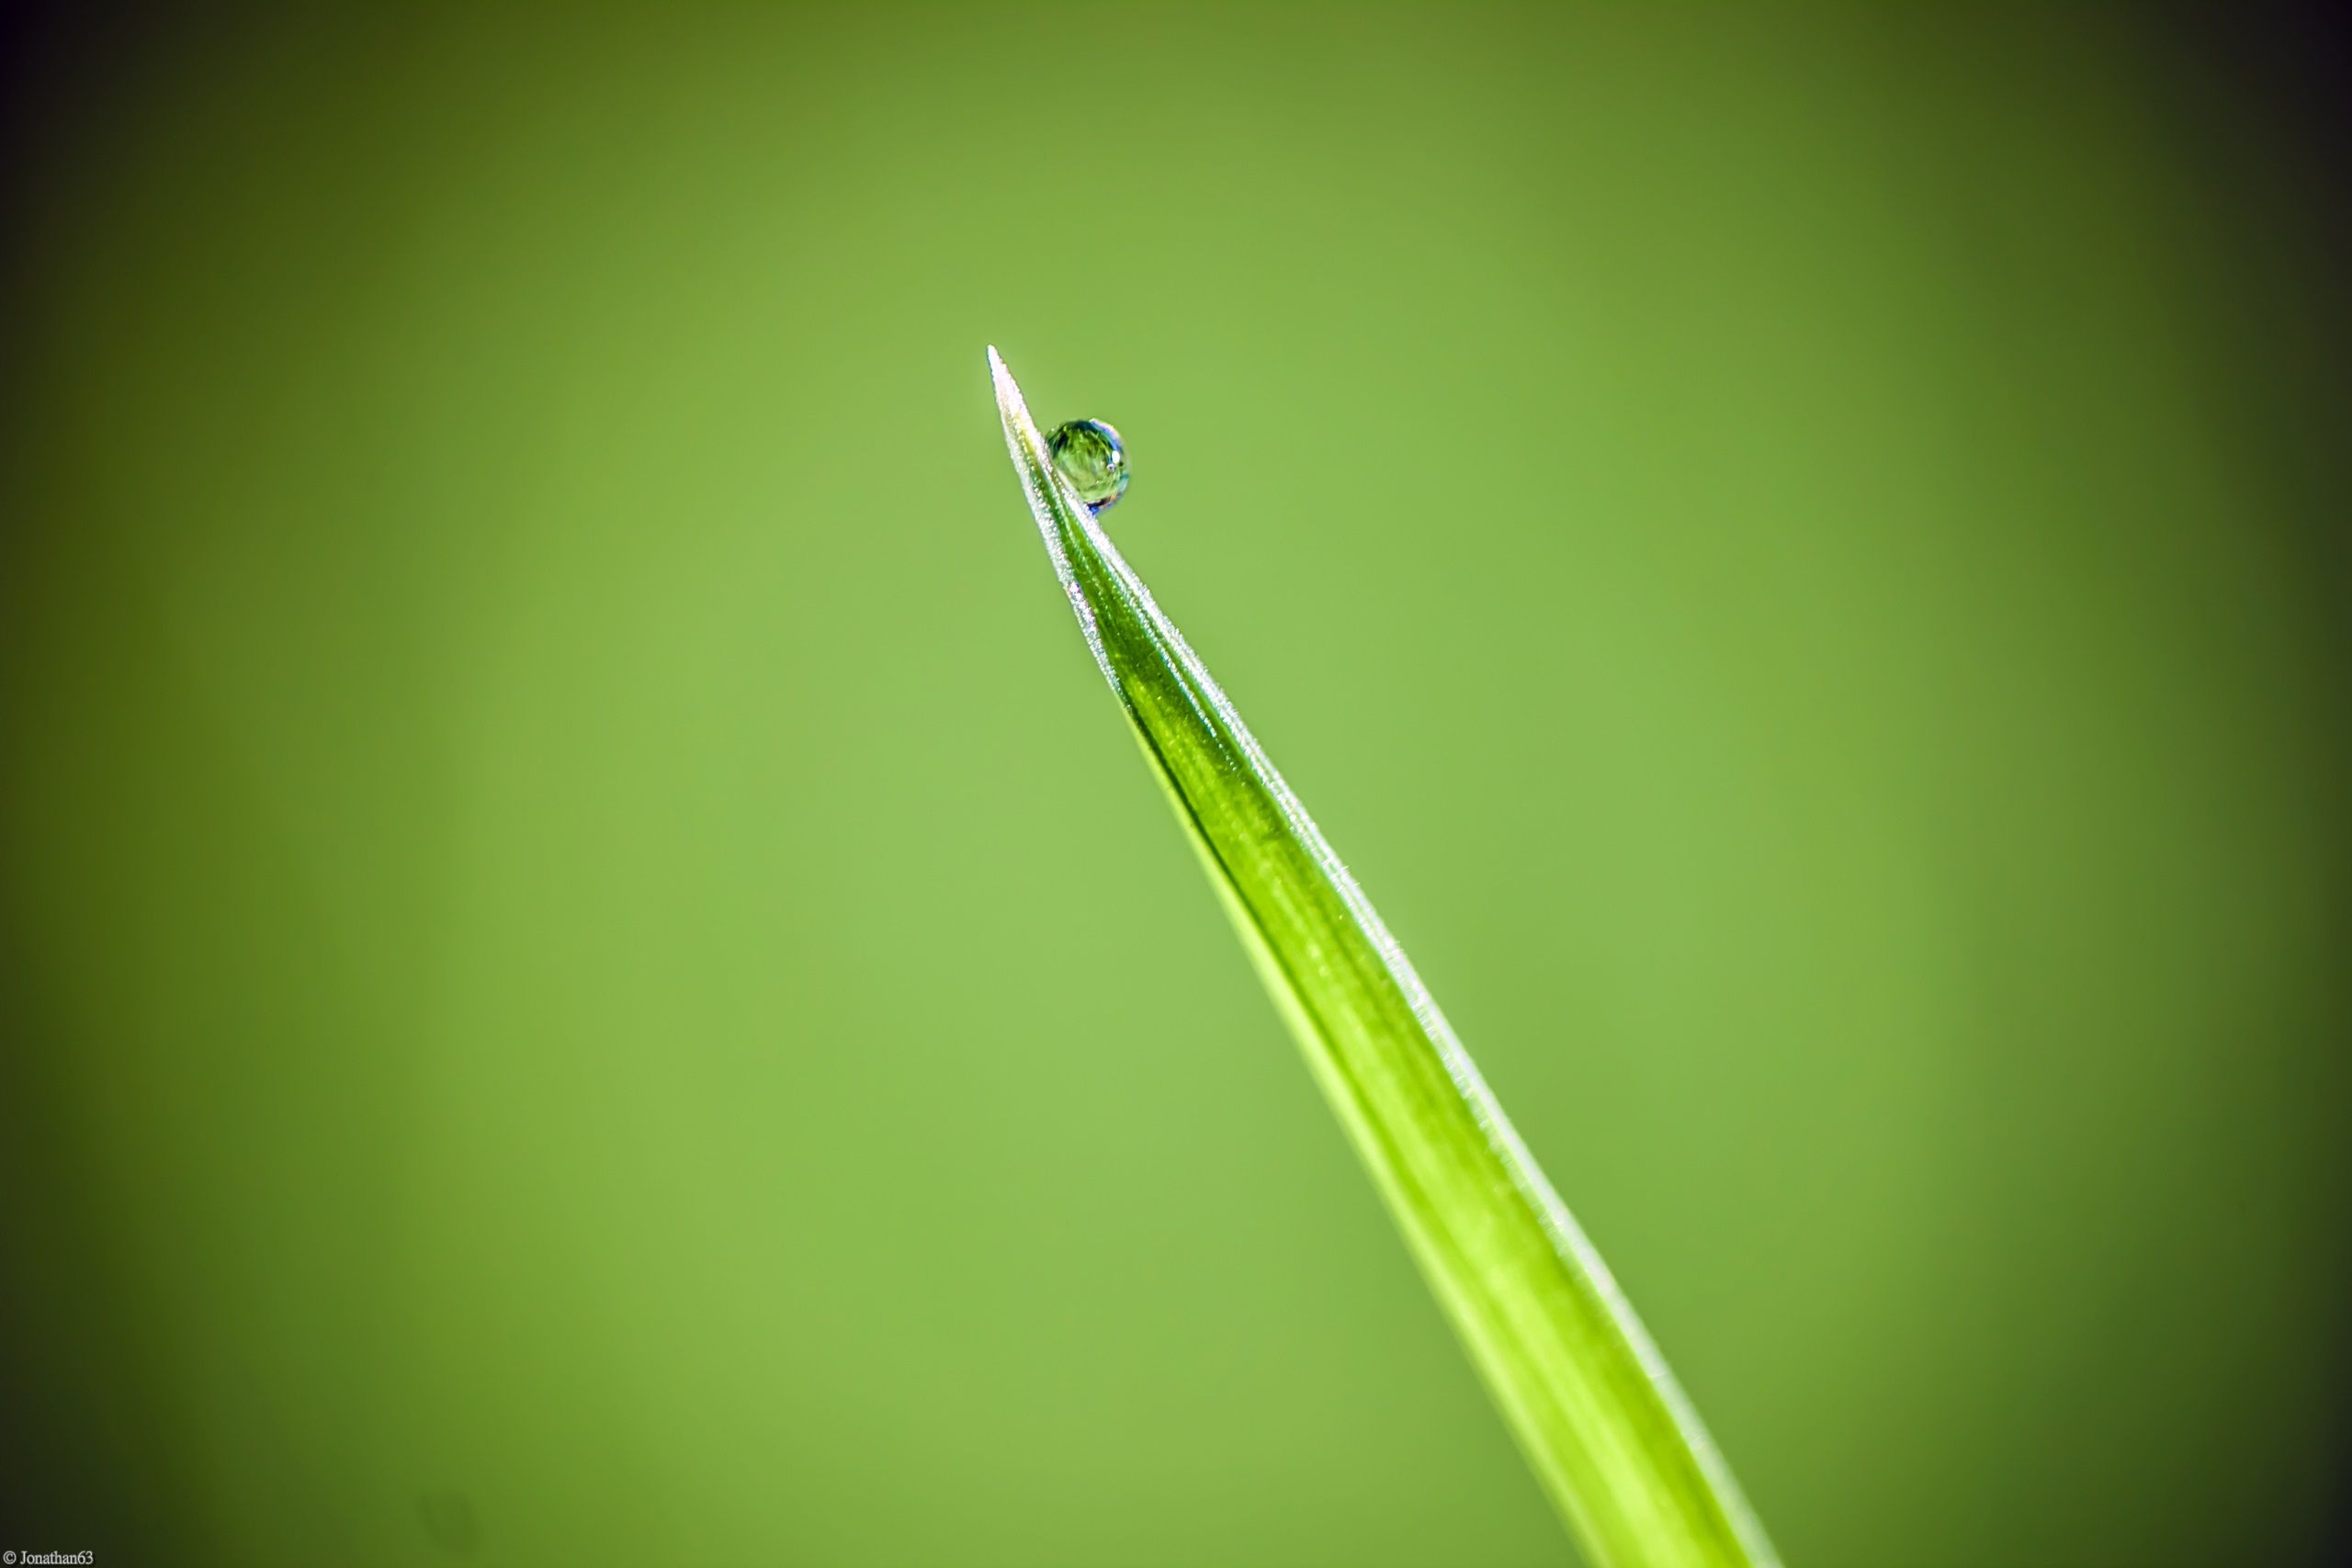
{"type": "Point", "coordinates": [1089, 455]}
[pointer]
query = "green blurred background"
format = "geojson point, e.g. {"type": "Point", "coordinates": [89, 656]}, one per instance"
{"type": "Point", "coordinates": [590, 976]}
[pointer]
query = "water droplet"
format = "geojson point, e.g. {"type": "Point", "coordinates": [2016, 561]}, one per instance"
{"type": "Point", "coordinates": [1089, 455]}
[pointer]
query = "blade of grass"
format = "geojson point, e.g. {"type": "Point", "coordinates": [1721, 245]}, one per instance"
{"type": "Point", "coordinates": [1610, 1436]}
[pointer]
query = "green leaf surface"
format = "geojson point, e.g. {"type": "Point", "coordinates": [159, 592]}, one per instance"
{"type": "Point", "coordinates": [1610, 1435]}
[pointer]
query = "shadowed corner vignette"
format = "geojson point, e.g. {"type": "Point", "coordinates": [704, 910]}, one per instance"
{"type": "Point", "coordinates": [581, 981]}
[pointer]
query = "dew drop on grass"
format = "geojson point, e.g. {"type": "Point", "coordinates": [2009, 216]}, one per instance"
{"type": "Point", "coordinates": [1089, 455]}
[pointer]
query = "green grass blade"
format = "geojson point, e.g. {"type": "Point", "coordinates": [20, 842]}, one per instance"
{"type": "Point", "coordinates": [1589, 1399]}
